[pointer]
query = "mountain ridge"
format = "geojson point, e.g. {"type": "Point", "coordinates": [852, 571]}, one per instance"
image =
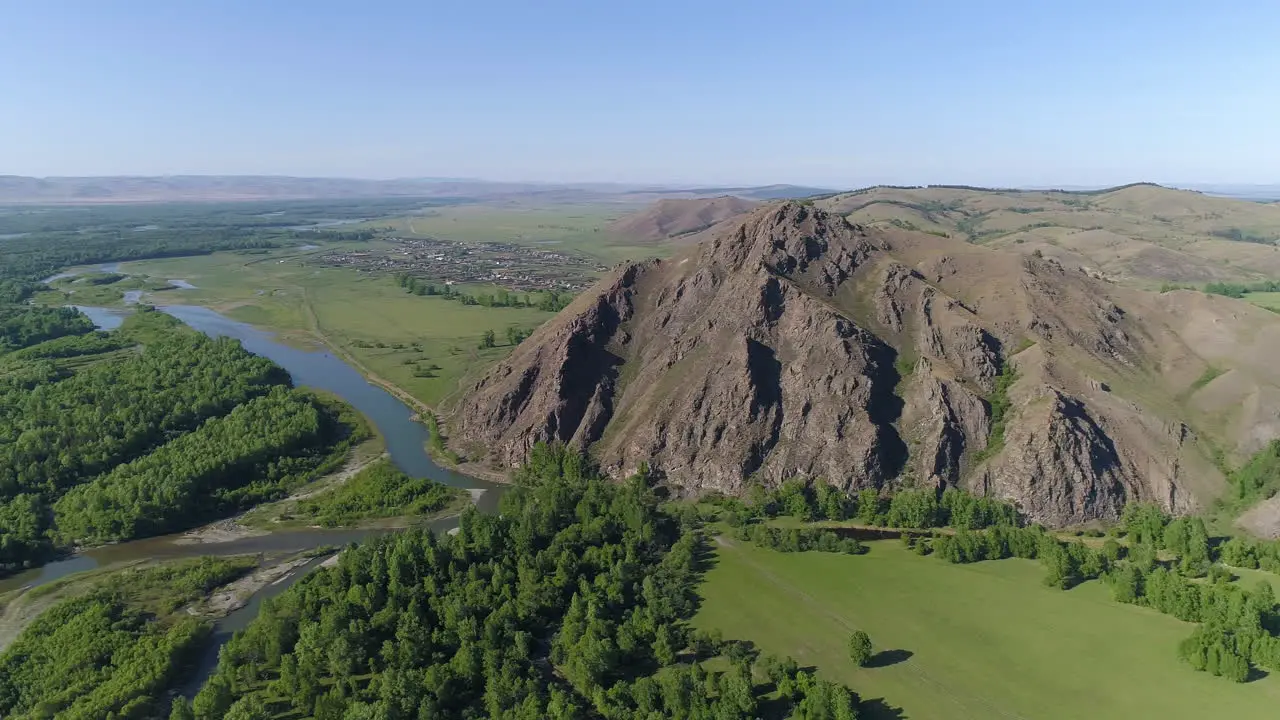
{"type": "Point", "coordinates": [795, 342]}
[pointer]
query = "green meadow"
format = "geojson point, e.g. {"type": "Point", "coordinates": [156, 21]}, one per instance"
{"type": "Point", "coordinates": [1268, 300]}
{"type": "Point", "coordinates": [979, 641]}
{"type": "Point", "coordinates": [425, 345]}
{"type": "Point", "coordinates": [568, 228]}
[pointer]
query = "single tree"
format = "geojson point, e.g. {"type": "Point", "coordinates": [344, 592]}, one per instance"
{"type": "Point", "coordinates": [489, 340]}
{"type": "Point", "coordinates": [860, 648]}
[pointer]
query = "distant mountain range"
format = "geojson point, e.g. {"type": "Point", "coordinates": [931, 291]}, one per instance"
{"type": "Point", "coordinates": [16, 189]}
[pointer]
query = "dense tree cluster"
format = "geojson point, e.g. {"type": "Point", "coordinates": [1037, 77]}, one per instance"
{"type": "Point", "coordinates": [1066, 563]}
{"type": "Point", "coordinates": [257, 452]}
{"type": "Point", "coordinates": [569, 603]}
{"type": "Point", "coordinates": [1236, 627]}
{"type": "Point", "coordinates": [93, 343]}
{"type": "Point", "coordinates": [810, 500]}
{"type": "Point", "coordinates": [106, 654]}
{"type": "Point", "coordinates": [22, 326]}
{"type": "Point", "coordinates": [378, 491]}
{"type": "Point", "coordinates": [146, 441]}
{"type": "Point", "coordinates": [1251, 553]}
{"type": "Point", "coordinates": [1259, 477]}
{"type": "Point", "coordinates": [547, 301]}
{"type": "Point", "coordinates": [13, 292]}
{"type": "Point", "coordinates": [1239, 290]}
{"type": "Point", "coordinates": [1161, 568]}
{"type": "Point", "coordinates": [798, 539]}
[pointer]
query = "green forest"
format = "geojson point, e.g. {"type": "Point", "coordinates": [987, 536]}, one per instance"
{"type": "Point", "coordinates": [571, 602]}
{"type": "Point", "coordinates": [115, 651]}
{"type": "Point", "coordinates": [44, 240]}
{"type": "Point", "coordinates": [378, 491]}
{"type": "Point", "coordinates": [147, 430]}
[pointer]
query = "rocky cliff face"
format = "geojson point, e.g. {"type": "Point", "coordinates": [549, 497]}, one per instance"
{"type": "Point", "coordinates": [798, 344]}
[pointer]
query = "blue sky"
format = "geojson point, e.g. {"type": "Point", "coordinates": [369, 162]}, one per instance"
{"type": "Point", "coordinates": [840, 93]}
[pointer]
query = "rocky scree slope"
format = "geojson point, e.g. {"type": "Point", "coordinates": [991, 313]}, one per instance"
{"type": "Point", "coordinates": [798, 344]}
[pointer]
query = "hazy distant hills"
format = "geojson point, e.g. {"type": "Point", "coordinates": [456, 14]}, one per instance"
{"type": "Point", "coordinates": [16, 189]}
{"type": "Point", "coordinates": [204, 188]}
{"type": "Point", "coordinates": [675, 217]}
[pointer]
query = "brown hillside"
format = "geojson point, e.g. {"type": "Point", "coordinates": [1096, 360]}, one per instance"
{"type": "Point", "coordinates": [1143, 235]}
{"type": "Point", "coordinates": [670, 218]}
{"type": "Point", "coordinates": [796, 343]}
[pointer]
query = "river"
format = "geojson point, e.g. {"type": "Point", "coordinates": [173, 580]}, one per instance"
{"type": "Point", "coordinates": [405, 442]}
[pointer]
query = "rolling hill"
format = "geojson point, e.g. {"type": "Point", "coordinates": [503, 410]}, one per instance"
{"type": "Point", "coordinates": [794, 342]}
{"type": "Point", "coordinates": [670, 218]}
{"type": "Point", "coordinates": [1142, 234]}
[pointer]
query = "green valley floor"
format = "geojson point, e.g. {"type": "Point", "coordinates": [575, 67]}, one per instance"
{"type": "Point", "coordinates": [980, 641]}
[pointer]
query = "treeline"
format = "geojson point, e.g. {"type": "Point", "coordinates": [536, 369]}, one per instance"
{"type": "Point", "coordinates": [547, 300]}
{"type": "Point", "coordinates": [107, 654]}
{"type": "Point", "coordinates": [1066, 563]}
{"type": "Point", "coordinates": [378, 491]}
{"type": "Point", "coordinates": [798, 539]}
{"type": "Point", "coordinates": [37, 256]}
{"type": "Point", "coordinates": [1239, 235]}
{"type": "Point", "coordinates": [52, 240]}
{"type": "Point", "coordinates": [1239, 290]}
{"type": "Point", "coordinates": [571, 602]}
{"type": "Point", "coordinates": [809, 500]}
{"type": "Point", "coordinates": [1167, 564]}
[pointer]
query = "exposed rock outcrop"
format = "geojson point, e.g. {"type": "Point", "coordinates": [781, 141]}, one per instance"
{"type": "Point", "coordinates": [796, 343]}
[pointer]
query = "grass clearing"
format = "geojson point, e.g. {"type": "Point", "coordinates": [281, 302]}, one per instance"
{"type": "Point", "coordinates": [986, 640]}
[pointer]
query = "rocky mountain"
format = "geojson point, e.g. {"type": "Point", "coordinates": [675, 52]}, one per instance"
{"type": "Point", "coordinates": [675, 217]}
{"type": "Point", "coordinates": [794, 342]}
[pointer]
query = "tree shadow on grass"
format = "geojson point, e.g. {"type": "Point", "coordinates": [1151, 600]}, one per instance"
{"type": "Point", "coordinates": [885, 658]}
{"type": "Point", "coordinates": [878, 709]}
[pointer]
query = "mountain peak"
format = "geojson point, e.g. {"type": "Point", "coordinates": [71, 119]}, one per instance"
{"type": "Point", "coordinates": [791, 342]}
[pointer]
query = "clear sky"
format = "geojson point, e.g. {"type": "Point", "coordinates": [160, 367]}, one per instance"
{"type": "Point", "coordinates": [839, 93]}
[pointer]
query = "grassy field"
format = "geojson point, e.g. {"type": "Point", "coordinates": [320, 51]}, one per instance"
{"type": "Point", "coordinates": [1268, 300]}
{"type": "Point", "coordinates": [582, 228]}
{"type": "Point", "coordinates": [425, 345]}
{"type": "Point", "coordinates": [986, 640]}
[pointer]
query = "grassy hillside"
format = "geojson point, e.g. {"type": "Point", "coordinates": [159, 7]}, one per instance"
{"type": "Point", "coordinates": [986, 640]}
{"type": "Point", "coordinates": [1141, 233]}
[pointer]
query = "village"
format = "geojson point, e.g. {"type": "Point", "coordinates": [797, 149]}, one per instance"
{"type": "Point", "coordinates": [516, 267]}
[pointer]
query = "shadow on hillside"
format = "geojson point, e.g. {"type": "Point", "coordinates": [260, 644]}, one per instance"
{"type": "Point", "coordinates": [885, 658]}
{"type": "Point", "coordinates": [878, 709]}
